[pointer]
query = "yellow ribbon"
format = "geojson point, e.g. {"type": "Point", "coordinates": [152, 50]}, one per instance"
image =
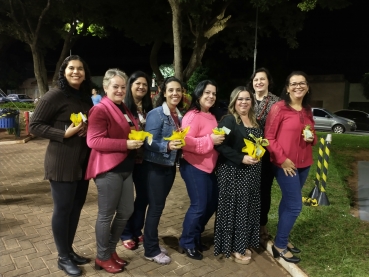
{"type": "Point", "coordinates": [140, 135]}
{"type": "Point", "coordinates": [218, 131]}
{"type": "Point", "coordinates": [179, 135]}
{"type": "Point", "coordinates": [76, 118]}
{"type": "Point", "coordinates": [255, 149]}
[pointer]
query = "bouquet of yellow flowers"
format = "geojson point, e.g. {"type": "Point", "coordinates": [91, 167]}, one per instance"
{"type": "Point", "coordinates": [221, 131]}
{"type": "Point", "coordinates": [179, 134]}
{"type": "Point", "coordinates": [77, 118]}
{"type": "Point", "coordinates": [255, 149]}
{"type": "Point", "coordinates": [308, 132]}
{"type": "Point", "coordinates": [140, 135]}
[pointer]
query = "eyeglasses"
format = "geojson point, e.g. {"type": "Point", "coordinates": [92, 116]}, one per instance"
{"type": "Point", "coordinates": [301, 84]}
{"type": "Point", "coordinates": [241, 99]}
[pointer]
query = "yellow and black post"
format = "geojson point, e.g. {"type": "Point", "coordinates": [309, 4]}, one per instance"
{"type": "Point", "coordinates": [322, 198]}
{"type": "Point", "coordinates": [315, 192]}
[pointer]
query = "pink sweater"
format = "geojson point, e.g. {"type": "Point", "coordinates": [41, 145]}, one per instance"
{"type": "Point", "coordinates": [199, 149]}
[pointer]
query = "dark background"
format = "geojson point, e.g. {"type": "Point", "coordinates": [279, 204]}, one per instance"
{"type": "Point", "coordinates": [332, 42]}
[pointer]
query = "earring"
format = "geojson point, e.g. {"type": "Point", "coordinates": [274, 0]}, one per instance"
{"type": "Point", "coordinates": [308, 91]}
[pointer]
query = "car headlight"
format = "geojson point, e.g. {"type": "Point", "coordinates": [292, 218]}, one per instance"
{"type": "Point", "coordinates": [351, 123]}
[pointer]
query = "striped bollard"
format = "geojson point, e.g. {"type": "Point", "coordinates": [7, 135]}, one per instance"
{"type": "Point", "coordinates": [322, 198]}
{"type": "Point", "coordinates": [315, 192]}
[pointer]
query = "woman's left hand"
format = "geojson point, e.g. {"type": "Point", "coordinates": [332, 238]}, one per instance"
{"type": "Point", "coordinates": [311, 139]}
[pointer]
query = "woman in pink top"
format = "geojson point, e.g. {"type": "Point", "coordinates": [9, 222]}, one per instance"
{"type": "Point", "coordinates": [291, 155]}
{"type": "Point", "coordinates": [197, 167]}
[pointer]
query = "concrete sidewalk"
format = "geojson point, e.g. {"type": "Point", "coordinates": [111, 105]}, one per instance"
{"type": "Point", "coordinates": [27, 246]}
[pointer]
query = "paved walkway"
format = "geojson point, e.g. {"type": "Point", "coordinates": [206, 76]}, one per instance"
{"type": "Point", "coordinates": [27, 246]}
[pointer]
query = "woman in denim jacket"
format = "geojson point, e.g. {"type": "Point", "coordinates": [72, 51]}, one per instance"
{"type": "Point", "coordinates": [160, 163]}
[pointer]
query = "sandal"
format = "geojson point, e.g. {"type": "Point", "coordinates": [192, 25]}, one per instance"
{"type": "Point", "coordinates": [129, 244]}
{"type": "Point", "coordinates": [240, 259]}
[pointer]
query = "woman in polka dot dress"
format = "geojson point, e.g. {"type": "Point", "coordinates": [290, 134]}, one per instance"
{"type": "Point", "coordinates": [237, 223]}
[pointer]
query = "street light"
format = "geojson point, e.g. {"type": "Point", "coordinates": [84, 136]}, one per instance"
{"type": "Point", "coordinates": [256, 37]}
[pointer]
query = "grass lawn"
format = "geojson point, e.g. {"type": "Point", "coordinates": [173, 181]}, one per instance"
{"type": "Point", "coordinates": [333, 242]}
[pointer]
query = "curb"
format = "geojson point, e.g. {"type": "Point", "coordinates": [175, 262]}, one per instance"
{"type": "Point", "coordinates": [27, 139]}
{"type": "Point", "coordinates": [292, 268]}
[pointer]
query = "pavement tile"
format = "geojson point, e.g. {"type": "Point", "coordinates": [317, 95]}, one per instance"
{"type": "Point", "coordinates": [27, 246]}
{"type": "Point", "coordinates": [18, 272]}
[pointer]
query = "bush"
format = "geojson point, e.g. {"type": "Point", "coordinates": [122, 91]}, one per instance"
{"type": "Point", "coordinates": [18, 105]}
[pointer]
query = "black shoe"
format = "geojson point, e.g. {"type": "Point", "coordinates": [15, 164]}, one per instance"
{"type": "Point", "coordinates": [294, 250]}
{"type": "Point", "coordinates": [69, 267]}
{"type": "Point", "coordinates": [201, 248]}
{"type": "Point", "coordinates": [191, 253]}
{"type": "Point", "coordinates": [77, 259]}
{"type": "Point", "coordinates": [277, 254]}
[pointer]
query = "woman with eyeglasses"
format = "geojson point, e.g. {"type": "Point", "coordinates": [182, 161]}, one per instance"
{"type": "Point", "coordinates": [238, 174]}
{"type": "Point", "coordinates": [291, 154]}
{"type": "Point", "coordinates": [261, 85]}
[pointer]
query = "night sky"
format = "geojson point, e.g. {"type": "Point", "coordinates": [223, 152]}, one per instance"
{"type": "Point", "coordinates": [332, 42]}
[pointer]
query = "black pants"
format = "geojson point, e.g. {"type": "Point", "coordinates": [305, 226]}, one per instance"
{"type": "Point", "coordinates": [69, 198]}
{"type": "Point", "coordinates": [159, 183]}
{"type": "Point", "coordinates": [267, 177]}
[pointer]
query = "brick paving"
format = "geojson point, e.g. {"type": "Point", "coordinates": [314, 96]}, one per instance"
{"type": "Point", "coordinates": [26, 243]}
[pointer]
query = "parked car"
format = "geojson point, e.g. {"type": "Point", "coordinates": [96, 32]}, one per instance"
{"type": "Point", "coordinates": [3, 99]}
{"type": "Point", "coordinates": [20, 98]}
{"type": "Point", "coordinates": [325, 120]}
{"type": "Point", "coordinates": [361, 118]}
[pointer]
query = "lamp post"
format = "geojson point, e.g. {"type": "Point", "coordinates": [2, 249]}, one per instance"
{"type": "Point", "coordinates": [256, 38]}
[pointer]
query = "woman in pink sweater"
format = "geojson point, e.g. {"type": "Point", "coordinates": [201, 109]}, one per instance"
{"type": "Point", "coordinates": [197, 167]}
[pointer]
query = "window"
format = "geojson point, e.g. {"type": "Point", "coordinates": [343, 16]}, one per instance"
{"type": "Point", "coordinates": [320, 113]}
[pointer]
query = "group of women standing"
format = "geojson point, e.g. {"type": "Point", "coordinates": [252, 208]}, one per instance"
{"type": "Point", "coordinates": [219, 177]}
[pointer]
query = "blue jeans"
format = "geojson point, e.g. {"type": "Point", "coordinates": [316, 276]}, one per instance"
{"type": "Point", "coordinates": [136, 222]}
{"type": "Point", "coordinates": [203, 192]}
{"type": "Point", "coordinates": [159, 183]}
{"type": "Point", "coordinates": [291, 202]}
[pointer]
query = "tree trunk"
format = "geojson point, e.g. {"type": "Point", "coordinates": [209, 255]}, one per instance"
{"type": "Point", "coordinates": [40, 70]}
{"type": "Point", "coordinates": [196, 57]}
{"type": "Point", "coordinates": [154, 60]}
{"type": "Point", "coordinates": [177, 41]}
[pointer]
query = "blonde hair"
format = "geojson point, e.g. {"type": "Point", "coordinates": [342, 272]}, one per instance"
{"type": "Point", "coordinates": [111, 73]}
{"type": "Point", "coordinates": [232, 109]}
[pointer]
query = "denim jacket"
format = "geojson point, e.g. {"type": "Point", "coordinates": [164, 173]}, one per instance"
{"type": "Point", "coordinates": [160, 124]}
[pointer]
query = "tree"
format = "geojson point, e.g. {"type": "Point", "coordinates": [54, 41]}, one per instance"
{"type": "Point", "coordinates": [25, 22]}
{"type": "Point", "coordinates": [196, 24]}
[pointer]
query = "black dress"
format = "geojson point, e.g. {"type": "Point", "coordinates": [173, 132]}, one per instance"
{"type": "Point", "coordinates": [237, 224]}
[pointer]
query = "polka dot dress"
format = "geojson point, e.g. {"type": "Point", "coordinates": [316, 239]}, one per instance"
{"type": "Point", "coordinates": [237, 222]}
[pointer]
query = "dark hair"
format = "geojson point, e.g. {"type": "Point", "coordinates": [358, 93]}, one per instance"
{"type": "Point", "coordinates": [146, 100]}
{"type": "Point", "coordinates": [199, 91]}
{"type": "Point", "coordinates": [184, 85]}
{"type": "Point", "coordinates": [163, 88]}
{"type": "Point", "coordinates": [286, 96]}
{"type": "Point", "coordinates": [250, 86]}
{"type": "Point", "coordinates": [86, 85]}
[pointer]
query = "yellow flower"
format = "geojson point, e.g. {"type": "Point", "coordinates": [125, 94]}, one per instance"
{"type": "Point", "coordinates": [179, 135]}
{"type": "Point", "coordinates": [255, 149]}
{"type": "Point", "coordinates": [140, 135]}
{"type": "Point", "coordinates": [77, 118]}
{"type": "Point", "coordinates": [218, 131]}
